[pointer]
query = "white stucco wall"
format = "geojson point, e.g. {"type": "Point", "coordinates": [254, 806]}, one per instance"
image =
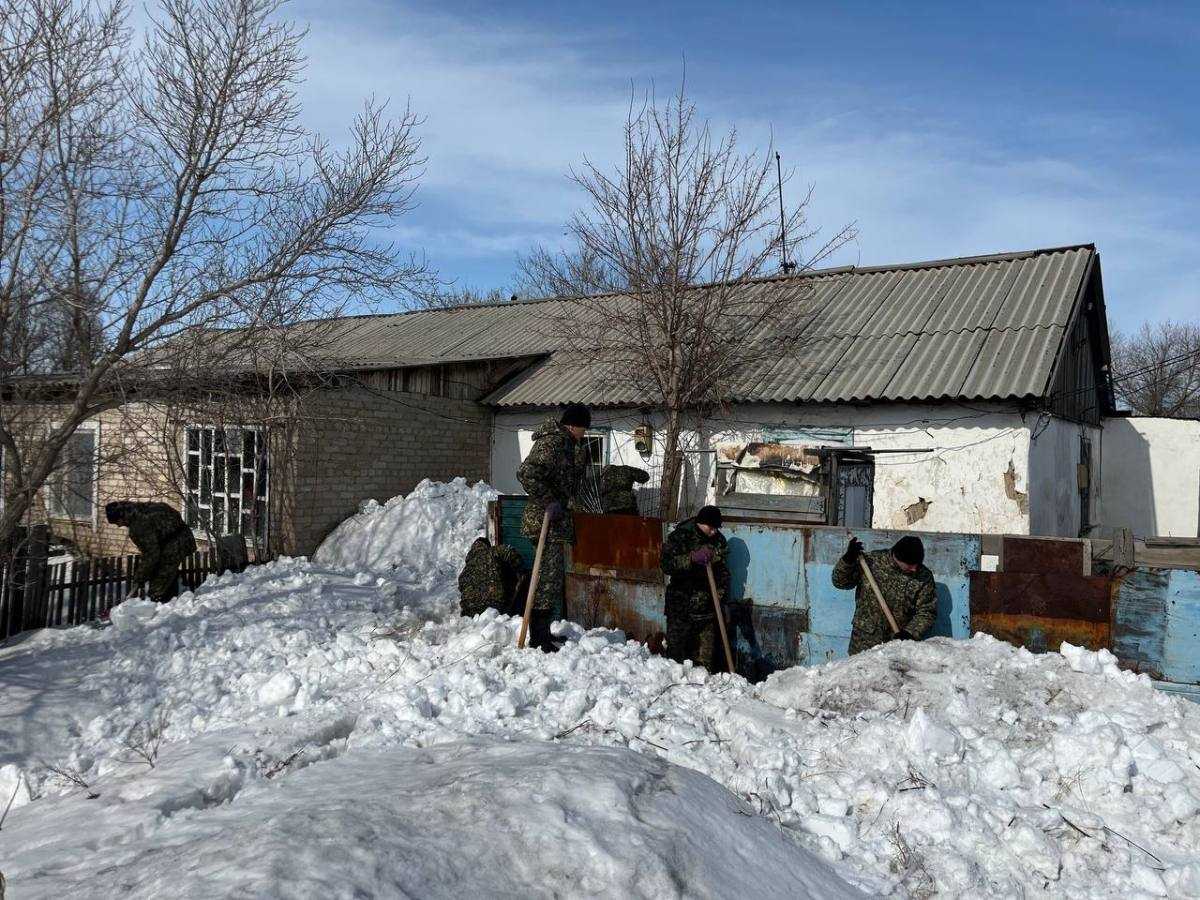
{"type": "Point", "coordinates": [975, 479]}
{"type": "Point", "coordinates": [1151, 476]}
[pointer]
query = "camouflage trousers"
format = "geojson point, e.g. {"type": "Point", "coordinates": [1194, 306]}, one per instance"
{"type": "Point", "coordinates": [694, 638]}
{"type": "Point", "coordinates": [163, 581]}
{"type": "Point", "coordinates": [551, 586]}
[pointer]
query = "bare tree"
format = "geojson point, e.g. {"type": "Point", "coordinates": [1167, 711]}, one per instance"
{"type": "Point", "coordinates": [659, 264]}
{"type": "Point", "coordinates": [452, 296]}
{"type": "Point", "coordinates": [1158, 369]}
{"type": "Point", "coordinates": [163, 214]}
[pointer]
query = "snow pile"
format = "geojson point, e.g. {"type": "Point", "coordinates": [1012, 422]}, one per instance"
{"type": "Point", "coordinates": [428, 532]}
{"type": "Point", "coordinates": [473, 819]}
{"type": "Point", "coordinates": [299, 696]}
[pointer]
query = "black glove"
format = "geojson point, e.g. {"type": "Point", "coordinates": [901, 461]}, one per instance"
{"type": "Point", "coordinates": [903, 635]}
{"type": "Point", "coordinates": [853, 550]}
{"type": "Point", "coordinates": [554, 510]}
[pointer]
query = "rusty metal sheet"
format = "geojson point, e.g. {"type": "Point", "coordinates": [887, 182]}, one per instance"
{"type": "Point", "coordinates": [1041, 634]}
{"type": "Point", "coordinates": [1038, 555]}
{"type": "Point", "coordinates": [1082, 598]}
{"type": "Point", "coordinates": [765, 638]}
{"type": "Point", "coordinates": [628, 546]}
{"type": "Point", "coordinates": [602, 602]}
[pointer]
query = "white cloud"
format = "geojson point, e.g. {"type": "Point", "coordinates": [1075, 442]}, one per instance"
{"type": "Point", "coordinates": [510, 108]}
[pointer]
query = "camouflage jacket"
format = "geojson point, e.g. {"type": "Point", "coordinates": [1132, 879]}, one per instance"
{"type": "Point", "coordinates": [490, 578]}
{"type": "Point", "coordinates": [616, 489]}
{"type": "Point", "coordinates": [551, 472]}
{"type": "Point", "coordinates": [688, 592]}
{"type": "Point", "coordinates": [160, 534]}
{"type": "Point", "coordinates": [911, 599]}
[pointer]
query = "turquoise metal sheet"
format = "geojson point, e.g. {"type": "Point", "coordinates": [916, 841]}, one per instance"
{"type": "Point", "coordinates": [1156, 627]}
{"type": "Point", "coordinates": [949, 556]}
{"type": "Point", "coordinates": [766, 564]}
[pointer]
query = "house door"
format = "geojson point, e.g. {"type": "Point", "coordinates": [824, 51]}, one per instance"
{"type": "Point", "coordinates": [855, 493]}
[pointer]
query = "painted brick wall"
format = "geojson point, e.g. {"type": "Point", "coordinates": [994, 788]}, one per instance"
{"type": "Point", "coordinates": [354, 444]}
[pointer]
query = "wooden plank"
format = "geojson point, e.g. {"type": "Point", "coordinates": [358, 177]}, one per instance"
{"type": "Point", "coordinates": [1123, 551]}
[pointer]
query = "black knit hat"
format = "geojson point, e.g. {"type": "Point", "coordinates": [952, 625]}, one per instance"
{"type": "Point", "coordinates": [709, 515]}
{"type": "Point", "coordinates": [909, 550]}
{"type": "Point", "coordinates": [577, 415]}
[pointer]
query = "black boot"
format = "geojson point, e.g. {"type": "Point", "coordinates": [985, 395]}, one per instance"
{"type": "Point", "coordinates": [539, 630]}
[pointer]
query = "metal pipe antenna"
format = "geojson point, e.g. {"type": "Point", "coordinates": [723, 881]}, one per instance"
{"type": "Point", "coordinates": [786, 266]}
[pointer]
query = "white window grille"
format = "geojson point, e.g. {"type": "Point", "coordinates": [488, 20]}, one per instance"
{"type": "Point", "coordinates": [72, 487]}
{"type": "Point", "coordinates": [227, 481]}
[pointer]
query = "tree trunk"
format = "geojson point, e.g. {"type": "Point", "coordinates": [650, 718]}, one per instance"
{"type": "Point", "coordinates": [668, 503]}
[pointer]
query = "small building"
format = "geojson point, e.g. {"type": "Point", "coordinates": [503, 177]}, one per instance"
{"type": "Point", "coordinates": [963, 395]}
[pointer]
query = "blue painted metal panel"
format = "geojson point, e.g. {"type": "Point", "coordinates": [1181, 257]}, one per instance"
{"type": "Point", "coordinates": [766, 564]}
{"type": "Point", "coordinates": [1181, 641]}
{"type": "Point", "coordinates": [949, 556]}
{"type": "Point", "coordinates": [511, 510]}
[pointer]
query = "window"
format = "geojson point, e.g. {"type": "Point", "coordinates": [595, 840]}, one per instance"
{"type": "Point", "coordinates": [227, 477]}
{"type": "Point", "coordinates": [595, 445]}
{"type": "Point", "coordinates": [72, 487]}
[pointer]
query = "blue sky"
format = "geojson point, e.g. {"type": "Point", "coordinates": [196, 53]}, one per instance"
{"type": "Point", "coordinates": [940, 129]}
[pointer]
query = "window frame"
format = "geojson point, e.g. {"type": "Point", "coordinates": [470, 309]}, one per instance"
{"type": "Point", "coordinates": [262, 445]}
{"type": "Point", "coordinates": [604, 434]}
{"type": "Point", "coordinates": [64, 515]}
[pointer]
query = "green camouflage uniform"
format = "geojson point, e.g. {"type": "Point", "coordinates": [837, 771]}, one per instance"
{"type": "Point", "coordinates": [489, 579]}
{"type": "Point", "coordinates": [617, 496]}
{"type": "Point", "coordinates": [551, 473]}
{"type": "Point", "coordinates": [911, 599]}
{"type": "Point", "coordinates": [164, 540]}
{"type": "Point", "coordinates": [691, 622]}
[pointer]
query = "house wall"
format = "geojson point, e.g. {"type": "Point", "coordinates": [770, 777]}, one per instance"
{"type": "Point", "coordinates": [975, 479]}
{"type": "Point", "coordinates": [130, 465]}
{"type": "Point", "coordinates": [1151, 477]}
{"type": "Point", "coordinates": [1055, 498]}
{"type": "Point", "coordinates": [353, 445]}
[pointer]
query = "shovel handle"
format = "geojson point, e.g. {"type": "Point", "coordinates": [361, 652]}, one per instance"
{"type": "Point", "coordinates": [533, 580]}
{"type": "Point", "coordinates": [712, 587]}
{"type": "Point", "coordinates": [866, 570]}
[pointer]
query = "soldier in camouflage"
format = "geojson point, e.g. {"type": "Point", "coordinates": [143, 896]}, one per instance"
{"type": "Point", "coordinates": [691, 620]}
{"type": "Point", "coordinates": [906, 585]}
{"type": "Point", "coordinates": [617, 496]}
{"type": "Point", "coordinates": [163, 539]}
{"type": "Point", "coordinates": [550, 475]}
{"type": "Point", "coordinates": [490, 579]}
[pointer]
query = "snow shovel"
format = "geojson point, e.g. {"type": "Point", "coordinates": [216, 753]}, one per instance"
{"type": "Point", "coordinates": [533, 580]}
{"type": "Point", "coordinates": [866, 570]}
{"type": "Point", "coordinates": [712, 586]}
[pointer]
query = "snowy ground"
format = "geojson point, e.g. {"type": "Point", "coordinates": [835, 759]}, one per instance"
{"type": "Point", "coordinates": [324, 731]}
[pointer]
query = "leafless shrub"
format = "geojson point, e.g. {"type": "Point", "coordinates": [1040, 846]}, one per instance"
{"type": "Point", "coordinates": [146, 737]}
{"type": "Point", "coordinates": [74, 777]}
{"type": "Point", "coordinates": [909, 864]}
{"type": "Point", "coordinates": [659, 264]}
{"type": "Point", "coordinates": [1157, 369]}
{"type": "Point", "coordinates": [165, 220]}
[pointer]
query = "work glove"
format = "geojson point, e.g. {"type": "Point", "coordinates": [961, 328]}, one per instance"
{"type": "Point", "coordinates": [702, 556]}
{"type": "Point", "coordinates": [554, 510]}
{"type": "Point", "coordinates": [853, 550]}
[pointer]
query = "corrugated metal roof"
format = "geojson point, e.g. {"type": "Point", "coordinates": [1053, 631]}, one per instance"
{"type": "Point", "coordinates": [976, 328]}
{"type": "Point", "coordinates": [984, 327]}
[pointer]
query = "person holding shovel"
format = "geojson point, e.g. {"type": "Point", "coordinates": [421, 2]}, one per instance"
{"type": "Point", "coordinates": [905, 591]}
{"type": "Point", "coordinates": [551, 475]}
{"type": "Point", "coordinates": [687, 553]}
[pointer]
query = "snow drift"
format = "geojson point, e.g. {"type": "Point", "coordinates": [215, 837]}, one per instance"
{"type": "Point", "coordinates": [966, 768]}
{"type": "Point", "coordinates": [428, 532]}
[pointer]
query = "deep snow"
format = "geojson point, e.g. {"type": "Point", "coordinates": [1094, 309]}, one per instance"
{"type": "Point", "coordinates": [958, 768]}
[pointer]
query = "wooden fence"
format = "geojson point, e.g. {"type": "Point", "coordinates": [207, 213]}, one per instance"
{"type": "Point", "coordinates": [35, 593]}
